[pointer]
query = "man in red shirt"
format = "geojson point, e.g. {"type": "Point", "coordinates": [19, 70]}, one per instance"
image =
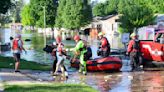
{"type": "Point", "coordinates": [104, 47]}
{"type": "Point", "coordinates": [134, 52]}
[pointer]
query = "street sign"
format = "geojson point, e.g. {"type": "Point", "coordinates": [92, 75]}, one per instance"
{"type": "Point", "coordinates": [125, 37]}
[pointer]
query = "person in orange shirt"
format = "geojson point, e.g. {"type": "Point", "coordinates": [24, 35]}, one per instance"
{"type": "Point", "coordinates": [17, 47]}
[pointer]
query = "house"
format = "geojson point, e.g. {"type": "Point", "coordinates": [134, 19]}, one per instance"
{"type": "Point", "coordinates": [16, 26]}
{"type": "Point", "coordinates": [109, 26]}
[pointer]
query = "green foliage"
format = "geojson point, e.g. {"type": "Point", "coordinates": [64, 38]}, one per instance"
{"type": "Point", "coordinates": [135, 14]}
{"type": "Point", "coordinates": [16, 10]}
{"type": "Point", "coordinates": [122, 30]}
{"type": "Point", "coordinates": [49, 87]}
{"type": "Point", "coordinates": [99, 10]}
{"type": "Point", "coordinates": [87, 13]}
{"type": "Point", "coordinates": [4, 6]}
{"type": "Point", "coordinates": [59, 22]}
{"type": "Point", "coordinates": [26, 17]}
{"type": "Point", "coordinates": [111, 7]}
{"type": "Point", "coordinates": [4, 20]}
{"type": "Point", "coordinates": [158, 6]}
{"type": "Point", "coordinates": [37, 12]}
{"type": "Point", "coordinates": [73, 14]}
{"type": "Point", "coordinates": [106, 8]}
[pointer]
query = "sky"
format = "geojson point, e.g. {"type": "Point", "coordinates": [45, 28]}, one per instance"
{"type": "Point", "coordinates": [26, 1]}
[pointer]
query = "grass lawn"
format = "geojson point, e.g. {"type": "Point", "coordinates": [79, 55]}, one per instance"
{"type": "Point", "coordinates": [8, 62]}
{"type": "Point", "coordinates": [51, 87]}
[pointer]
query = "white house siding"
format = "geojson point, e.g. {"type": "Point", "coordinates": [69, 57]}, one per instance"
{"type": "Point", "coordinates": [110, 27]}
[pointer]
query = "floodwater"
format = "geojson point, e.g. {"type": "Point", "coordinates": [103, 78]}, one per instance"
{"type": "Point", "coordinates": [34, 47]}
{"type": "Point", "coordinates": [123, 81]}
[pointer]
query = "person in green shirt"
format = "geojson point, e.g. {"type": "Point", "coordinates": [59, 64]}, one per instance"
{"type": "Point", "coordinates": [80, 49]}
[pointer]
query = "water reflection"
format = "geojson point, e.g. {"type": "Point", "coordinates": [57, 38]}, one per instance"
{"type": "Point", "coordinates": [122, 82]}
{"type": "Point", "coordinates": [148, 81]}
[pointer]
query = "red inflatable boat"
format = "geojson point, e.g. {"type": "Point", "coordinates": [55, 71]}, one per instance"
{"type": "Point", "coordinates": [102, 64]}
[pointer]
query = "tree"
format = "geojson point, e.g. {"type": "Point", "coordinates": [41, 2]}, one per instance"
{"type": "Point", "coordinates": [87, 13]}
{"type": "Point", "coordinates": [4, 6]}
{"type": "Point", "coordinates": [4, 19]}
{"type": "Point", "coordinates": [158, 6]}
{"type": "Point", "coordinates": [135, 14]}
{"type": "Point", "coordinates": [99, 10]}
{"type": "Point", "coordinates": [73, 14]}
{"type": "Point", "coordinates": [59, 22]}
{"type": "Point", "coordinates": [26, 17]}
{"type": "Point", "coordinates": [111, 7]}
{"type": "Point", "coordinates": [107, 8]}
{"type": "Point", "coordinates": [37, 12]}
{"type": "Point", "coordinates": [16, 10]}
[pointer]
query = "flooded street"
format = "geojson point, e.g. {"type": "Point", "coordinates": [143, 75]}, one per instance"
{"type": "Point", "coordinates": [125, 81]}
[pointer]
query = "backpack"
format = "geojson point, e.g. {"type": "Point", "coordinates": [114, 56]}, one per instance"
{"type": "Point", "coordinates": [136, 45]}
{"type": "Point", "coordinates": [88, 54]}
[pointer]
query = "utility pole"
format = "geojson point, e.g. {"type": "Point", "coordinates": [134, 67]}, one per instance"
{"type": "Point", "coordinates": [44, 33]}
{"type": "Point", "coordinates": [44, 25]}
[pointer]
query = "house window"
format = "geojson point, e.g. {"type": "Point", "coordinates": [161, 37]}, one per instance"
{"type": "Point", "coordinates": [99, 27]}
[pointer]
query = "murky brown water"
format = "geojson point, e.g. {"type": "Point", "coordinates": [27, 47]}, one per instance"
{"type": "Point", "coordinates": [124, 81]}
{"type": "Point", "coordinates": [142, 81]}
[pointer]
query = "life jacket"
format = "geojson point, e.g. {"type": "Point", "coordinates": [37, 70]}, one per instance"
{"type": "Point", "coordinates": [60, 47]}
{"type": "Point", "coordinates": [105, 44]}
{"type": "Point", "coordinates": [16, 46]}
{"type": "Point", "coordinates": [136, 45]}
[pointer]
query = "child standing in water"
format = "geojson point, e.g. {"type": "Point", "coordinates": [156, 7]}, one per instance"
{"type": "Point", "coordinates": [61, 56]}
